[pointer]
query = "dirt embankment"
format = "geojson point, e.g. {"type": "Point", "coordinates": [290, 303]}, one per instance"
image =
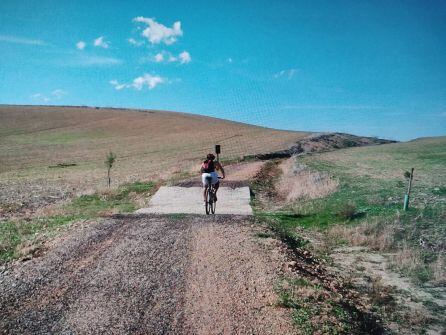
{"type": "Point", "coordinates": [322, 143]}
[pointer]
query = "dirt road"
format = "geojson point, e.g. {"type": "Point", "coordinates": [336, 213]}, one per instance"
{"type": "Point", "coordinates": [148, 275]}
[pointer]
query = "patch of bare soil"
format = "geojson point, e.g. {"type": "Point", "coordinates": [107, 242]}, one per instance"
{"type": "Point", "coordinates": [420, 308]}
{"type": "Point", "coordinates": [24, 198]}
{"type": "Point", "coordinates": [324, 293]}
{"type": "Point", "coordinates": [147, 275]}
{"type": "Point", "coordinates": [242, 171]}
{"type": "Point", "coordinates": [322, 143]}
{"type": "Point", "coordinates": [264, 186]}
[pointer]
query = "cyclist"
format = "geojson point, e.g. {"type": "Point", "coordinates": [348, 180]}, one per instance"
{"type": "Point", "coordinates": [208, 169]}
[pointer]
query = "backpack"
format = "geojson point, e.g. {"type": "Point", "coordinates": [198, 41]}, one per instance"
{"type": "Point", "coordinates": [208, 166]}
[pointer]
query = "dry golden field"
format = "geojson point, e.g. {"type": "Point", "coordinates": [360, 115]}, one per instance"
{"type": "Point", "coordinates": [148, 145]}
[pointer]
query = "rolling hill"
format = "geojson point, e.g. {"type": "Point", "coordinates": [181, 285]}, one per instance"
{"type": "Point", "coordinates": [51, 152]}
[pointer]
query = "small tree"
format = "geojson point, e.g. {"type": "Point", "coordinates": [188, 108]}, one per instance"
{"type": "Point", "coordinates": [109, 160]}
{"type": "Point", "coordinates": [407, 175]}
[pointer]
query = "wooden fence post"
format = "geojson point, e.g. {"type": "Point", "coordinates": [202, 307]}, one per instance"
{"type": "Point", "coordinates": [407, 195]}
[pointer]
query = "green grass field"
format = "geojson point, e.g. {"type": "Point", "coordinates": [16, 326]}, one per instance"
{"type": "Point", "coordinates": [366, 210]}
{"type": "Point", "coordinates": [371, 192]}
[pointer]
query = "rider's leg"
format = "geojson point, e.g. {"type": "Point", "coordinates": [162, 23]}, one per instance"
{"type": "Point", "coordinates": [216, 186]}
{"type": "Point", "coordinates": [204, 192]}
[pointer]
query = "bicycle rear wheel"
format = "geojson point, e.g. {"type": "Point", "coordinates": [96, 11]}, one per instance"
{"type": "Point", "coordinates": [213, 207]}
{"type": "Point", "coordinates": [208, 203]}
{"type": "Point", "coordinates": [213, 203]}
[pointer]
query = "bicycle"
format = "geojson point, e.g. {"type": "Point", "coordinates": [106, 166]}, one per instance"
{"type": "Point", "coordinates": [210, 203]}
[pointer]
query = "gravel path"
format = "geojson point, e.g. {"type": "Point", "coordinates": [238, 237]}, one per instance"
{"type": "Point", "coordinates": [229, 283]}
{"type": "Point", "coordinates": [148, 275]}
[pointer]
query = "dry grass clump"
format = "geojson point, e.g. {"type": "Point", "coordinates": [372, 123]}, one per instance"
{"type": "Point", "coordinates": [348, 211]}
{"type": "Point", "coordinates": [298, 182]}
{"type": "Point", "coordinates": [315, 310]}
{"type": "Point", "coordinates": [5, 244]}
{"type": "Point", "coordinates": [439, 269]}
{"type": "Point", "coordinates": [408, 258]}
{"type": "Point", "coordinates": [381, 235]}
{"type": "Point", "coordinates": [379, 293]}
{"type": "Point", "coordinates": [28, 248]}
{"type": "Point", "coordinates": [416, 317]}
{"type": "Point", "coordinates": [375, 234]}
{"type": "Point", "coordinates": [412, 261]}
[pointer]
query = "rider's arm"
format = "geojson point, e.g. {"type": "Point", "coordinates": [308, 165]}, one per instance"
{"type": "Point", "coordinates": [220, 167]}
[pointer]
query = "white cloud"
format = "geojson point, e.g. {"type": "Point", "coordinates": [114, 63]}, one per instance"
{"type": "Point", "coordinates": [92, 60]}
{"type": "Point", "coordinates": [81, 45]}
{"type": "Point", "coordinates": [159, 57]}
{"type": "Point", "coordinates": [135, 42]}
{"type": "Point", "coordinates": [147, 80]}
{"type": "Point", "coordinates": [100, 42]}
{"type": "Point", "coordinates": [40, 97]}
{"type": "Point", "coordinates": [58, 94]}
{"type": "Point", "coordinates": [289, 74]}
{"type": "Point", "coordinates": [332, 107]}
{"type": "Point", "coordinates": [165, 56]}
{"type": "Point", "coordinates": [20, 40]}
{"type": "Point", "coordinates": [117, 85]}
{"type": "Point", "coordinates": [184, 57]}
{"type": "Point", "coordinates": [151, 81]}
{"type": "Point", "coordinates": [54, 95]}
{"type": "Point", "coordinates": [158, 33]}
{"type": "Point", "coordinates": [279, 74]}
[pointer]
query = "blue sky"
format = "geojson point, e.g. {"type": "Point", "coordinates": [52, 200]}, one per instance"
{"type": "Point", "coordinates": [365, 67]}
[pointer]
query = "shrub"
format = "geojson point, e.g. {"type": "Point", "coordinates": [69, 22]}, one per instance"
{"type": "Point", "coordinates": [347, 211]}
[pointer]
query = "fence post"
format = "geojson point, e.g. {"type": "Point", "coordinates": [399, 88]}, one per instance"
{"type": "Point", "coordinates": [407, 195]}
{"type": "Point", "coordinates": [217, 151]}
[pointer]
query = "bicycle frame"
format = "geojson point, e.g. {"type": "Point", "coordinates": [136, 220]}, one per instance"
{"type": "Point", "coordinates": [210, 196]}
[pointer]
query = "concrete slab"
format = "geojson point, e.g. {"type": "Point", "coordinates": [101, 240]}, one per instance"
{"type": "Point", "coordinates": [189, 200]}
